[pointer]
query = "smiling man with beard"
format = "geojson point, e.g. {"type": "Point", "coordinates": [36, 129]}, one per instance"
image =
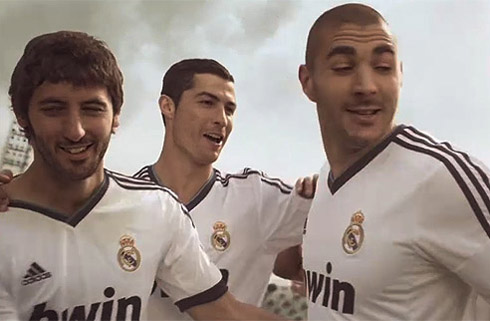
{"type": "Point", "coordinates": [80, 242]}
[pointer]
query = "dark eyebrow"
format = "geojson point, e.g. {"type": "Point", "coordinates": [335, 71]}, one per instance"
{"type": "Point", "coordinates": [379, 50]}
{"type": "Point", "coordinates": [47, 101]}
{"type": "Point", "coordinates": [214, 97]}
{"type": "Point", "coordinates": [205, 93]}
{"type": "Point", "coordinates": [95, 101]}
{"type": "Point", "coordinates": [341, 50]}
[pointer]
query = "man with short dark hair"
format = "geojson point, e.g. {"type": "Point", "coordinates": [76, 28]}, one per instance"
{"type": "Point", "coordinates": [244, 219]}
{"type": "Point", "coordinates": [399, 228]}
{"type": "Point", "coordinates": [80, 242]}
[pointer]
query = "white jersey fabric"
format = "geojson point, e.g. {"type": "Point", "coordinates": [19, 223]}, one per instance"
{"type": "Point", "coordinates": [403, 234]}
{"type": "Point", "coordinates": [100, 264]}
{"type": "Point", "coordinates": [244, 220]}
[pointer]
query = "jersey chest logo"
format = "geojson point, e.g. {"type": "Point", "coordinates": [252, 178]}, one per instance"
{"type": "Point", "coordinates": [221, 238]}
{"type": "Point", "coordinates": [354, 234]}
{"type": "Point", "coordinates": [128, 256]}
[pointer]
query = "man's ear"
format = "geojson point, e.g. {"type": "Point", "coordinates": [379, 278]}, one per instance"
{"type": "Point", "coordinates": [306, 81]}
{"type": "Point", "coordinates": [22, 121]}
{"type": "Point", "coordinates": [167, 107]}
{"type": "Point", "coordinates": [115, 123]}
{"type": "Point", "coordinates": [401, 74]}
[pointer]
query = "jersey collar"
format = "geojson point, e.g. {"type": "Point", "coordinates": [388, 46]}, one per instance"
{"type": "Point", "coordinates": [71, 220]}
{"type": "Point", "coordinates": [334, 184]}
{"type": "Point", "coordinates": [200, 195]}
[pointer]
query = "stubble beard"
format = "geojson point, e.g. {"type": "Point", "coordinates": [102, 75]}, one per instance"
{"type": "Point", "coordinates": [76, 170]}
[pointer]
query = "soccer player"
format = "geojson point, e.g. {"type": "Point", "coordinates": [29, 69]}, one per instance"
{"type": "Point", "coordinates": [245, 219]}
{"type": "Point", "coordinates": [80, 242]}
{"type": "Point", "coordinates": [399, 228]}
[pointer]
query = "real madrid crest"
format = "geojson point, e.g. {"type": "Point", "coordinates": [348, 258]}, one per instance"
{"type": "Point", "coordinates": [220, 239]}
{"type": "Point", "coordinates": [128, 256]}
{"type": "Point", "coordinates": [354, 234]}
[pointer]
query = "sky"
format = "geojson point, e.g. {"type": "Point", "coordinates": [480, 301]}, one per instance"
{"type": "Point", "coordinates": [444, 46]}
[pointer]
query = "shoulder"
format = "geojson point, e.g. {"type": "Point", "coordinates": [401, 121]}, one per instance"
{"type": "Point", "coordinates": [252, 178]}
{"type": "Point", "coordinates": [452, 178]}
{"type": "Point", "coordinates": [148, 192]}
{"type": "Point", "coordinates": [443, 157]}
{"type": "Point", "coordinates": [132, 183]}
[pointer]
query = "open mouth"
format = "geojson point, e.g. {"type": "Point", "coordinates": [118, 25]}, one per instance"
{"type": "Point", "coordinates": [74, 150]}
{"type": "Point", "coordinates": [364, 112]}
{"type": "Point", "coordinates": [215, 138]}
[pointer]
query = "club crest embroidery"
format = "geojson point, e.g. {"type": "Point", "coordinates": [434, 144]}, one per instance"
{"type": "Point", "coordinates": [220, 239]}
{"type": "Point", "coordinates": [354, 234]}
{"type": "Point", "coordinates": [128, 256]}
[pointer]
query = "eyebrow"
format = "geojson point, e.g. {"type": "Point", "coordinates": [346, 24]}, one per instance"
{"type": "Point", "coordinates": [341, 50]}
{"type": "Point", "coordinates": [52, 101]}
{"type": "Point", "coordinates": [350, 51]}
{"type": "Point", "coordinates": [379, 50]}
{"type": "Point", "coordinates": [57, 101]}
{"type": "Point", "coordinates": [214, 97]}
{"type": "Point", "coordinates": [95, 101]}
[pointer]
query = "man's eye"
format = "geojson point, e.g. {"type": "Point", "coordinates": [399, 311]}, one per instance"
{"type": "Point", "coordinates": [230, 111]}
{"type": "Point", "coordinates": [342, 68]}
{"type": "Point", "coordinates": [52, 109]}
{"type": "Point", "coordinates": [383, 68]}
{"type": "Point", "coordinates": [94, 109]}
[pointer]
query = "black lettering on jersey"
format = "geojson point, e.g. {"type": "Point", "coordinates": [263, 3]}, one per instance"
{"type": "Point", "coordinates": [123, 305]}
{"type": "Point", "coordinates": [318, 283]}
{"type": "Point", "coordinates": [79, 313]}
{"type": "Point", "coordinates": [314, 287]}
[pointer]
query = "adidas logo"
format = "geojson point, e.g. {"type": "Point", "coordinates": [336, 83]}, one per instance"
{"type": "Point", "coordinates": [35, 274]}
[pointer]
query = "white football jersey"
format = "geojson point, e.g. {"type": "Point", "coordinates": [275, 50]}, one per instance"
{"type": "Point", "coordinates": [403, 234]}
{"type": "Point", "coordinates": [100, 263]}
{"type": "Point", "coordinates": [244, 220]}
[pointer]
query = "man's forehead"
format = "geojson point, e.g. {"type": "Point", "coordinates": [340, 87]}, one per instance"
{"type": "Point", "coordinates": [212, 81]}
{"type": "Point", "coordinates": [355, 32]}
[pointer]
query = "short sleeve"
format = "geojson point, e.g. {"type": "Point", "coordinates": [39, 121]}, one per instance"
{"type": "Point", "coordinates": [186, 273]}
{"type": "Point", "coordinates": [282, 214]}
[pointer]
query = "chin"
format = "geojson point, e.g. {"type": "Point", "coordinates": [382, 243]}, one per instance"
{"type": "Point", "coordinates": [74, 172]}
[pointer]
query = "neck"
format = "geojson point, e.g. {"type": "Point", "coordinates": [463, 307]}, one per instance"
{"type": "Point", "coordinates": [47, 189]}
{"type": "Point", "coordinates": [341, 155]}
{"type": "Point", "coordinates": [183, 176]}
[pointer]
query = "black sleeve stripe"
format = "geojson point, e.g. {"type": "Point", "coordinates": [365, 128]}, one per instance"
{"type": "Point", "coordinates": [142, 172]}
{"type": "Point", "coordinates": [462, 162]}
{"type": "Point", "coordinates": [482, 174]}
{"type": "Point", "coordinates": [283, 187]}
{"type": "Point", "coordinates": [265, 176]}
{"type": "Point", "coordinates": [210, 295]}
{"type": "Point", "coordinates": [129, 179]}
{"type": "Point", "coordinates": [477, 210]}
{"type": "Point", "coordinates": [138, 184]}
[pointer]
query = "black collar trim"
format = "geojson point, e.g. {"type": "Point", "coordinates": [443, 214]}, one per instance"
{"type": "Point", "coordinates": [336, 183]}
{"type": "Point", "coordinates": [74, 219]}
{"type": "Point", "coordinates": [200, 195]}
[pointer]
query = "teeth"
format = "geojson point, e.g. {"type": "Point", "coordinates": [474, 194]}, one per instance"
{"type": "Point", "coordinates": [75, 150]}
{"type": "Point", "coordinates": [215, 138]}
{"type": "Point", "coordinates": [366, 112]}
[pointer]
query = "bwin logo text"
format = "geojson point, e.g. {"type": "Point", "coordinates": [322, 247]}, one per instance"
{"type": "Point", "coordinates": [95, 311]}
{"type": "Point", "coordinates": [319, 283]}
